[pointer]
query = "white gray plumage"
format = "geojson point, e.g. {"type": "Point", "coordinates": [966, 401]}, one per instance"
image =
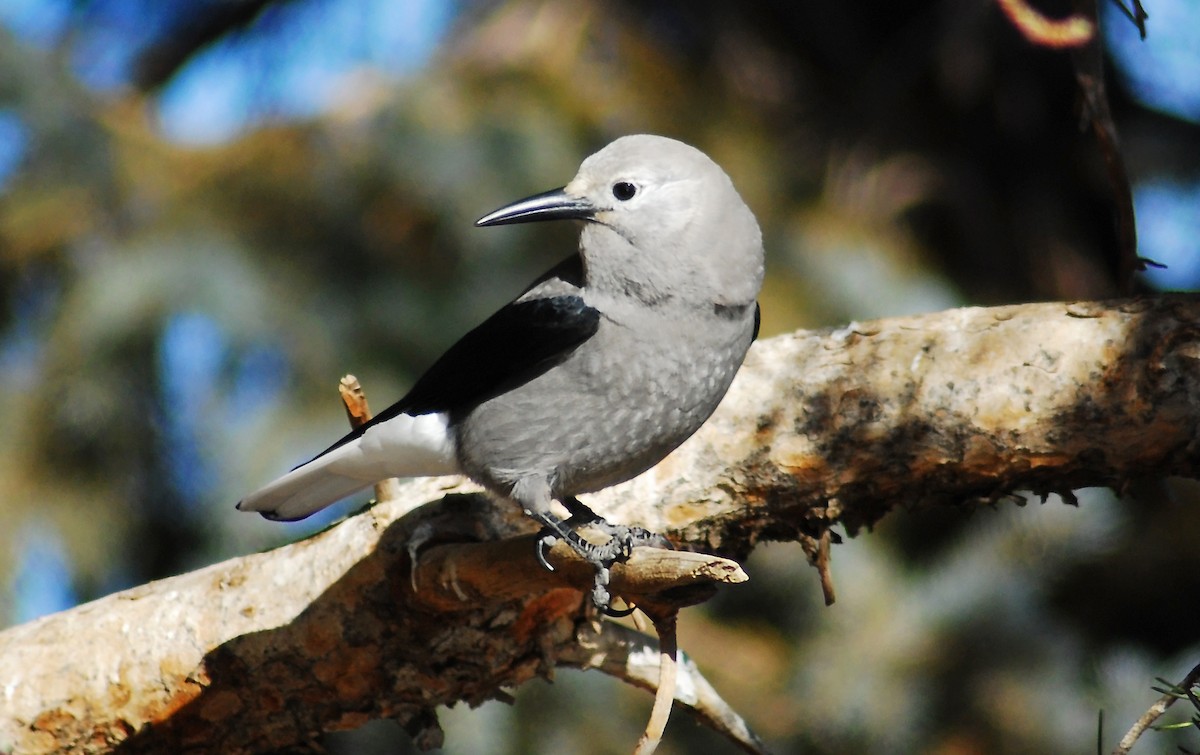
{"type": "Point", "coordinates": [596, 372]}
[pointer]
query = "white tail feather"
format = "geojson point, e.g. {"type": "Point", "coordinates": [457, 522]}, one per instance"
{"type": "Point", "coordinates": [404, 446]}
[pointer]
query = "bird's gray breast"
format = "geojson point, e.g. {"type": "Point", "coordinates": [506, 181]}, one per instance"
{"type": "Point", "coordinates": [617, 405]}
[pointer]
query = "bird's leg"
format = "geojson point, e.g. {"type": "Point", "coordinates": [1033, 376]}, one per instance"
{"type": "Point", "coordinates": [621, 542]}
{"type": "Point", "coordinates": [534, 495]}
{"type": "Point", "coordinates": [622, 539]}
{"type": "Point", "coordinates": [580, 512]}
{"type": "Point", "coordinates": [554, 528]}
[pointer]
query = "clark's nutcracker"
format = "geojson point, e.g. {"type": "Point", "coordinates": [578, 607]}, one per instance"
{"type": "Point", "coordinates": [597, 371]}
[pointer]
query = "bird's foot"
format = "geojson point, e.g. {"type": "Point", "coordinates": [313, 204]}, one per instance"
{"type": "Point", "coordinates": [623, 538]}
{"type": "Point", "coordinates": [598, 556]}
{"type": "Point", "coordinates": [604, 554]}
{"type": "Point", "coordinates": [618, 548]}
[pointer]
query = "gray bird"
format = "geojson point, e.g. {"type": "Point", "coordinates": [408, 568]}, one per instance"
{"type": "Point", "coordinates": [603, 366]}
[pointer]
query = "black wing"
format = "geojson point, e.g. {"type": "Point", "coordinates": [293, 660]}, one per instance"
{"type": "Point", "coordinates": [513, 346]}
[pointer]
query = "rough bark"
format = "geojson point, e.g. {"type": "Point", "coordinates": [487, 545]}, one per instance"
{"type": "Point", "coordinates": [841, 425]}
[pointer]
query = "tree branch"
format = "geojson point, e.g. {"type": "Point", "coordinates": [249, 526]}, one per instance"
{"type": "Point", "coordinates": [1160, 706]}
{"type": "Point", "coordinates": [836, 426]}
{"type": "Point", "coordinates": [633, 658]}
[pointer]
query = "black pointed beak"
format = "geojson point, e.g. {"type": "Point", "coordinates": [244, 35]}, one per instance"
{"type": "Point", "coordinates": [551, 205]}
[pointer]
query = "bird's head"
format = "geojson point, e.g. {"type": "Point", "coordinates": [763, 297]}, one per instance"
{"type": "Point", "coordinates": [660, 213]}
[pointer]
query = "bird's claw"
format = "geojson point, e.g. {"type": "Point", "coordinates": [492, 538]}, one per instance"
{"type": "Point", "coordinates": [544, 543]}
{"type": "Point", "coordinates": [619, 547]}
{"type": "Point", "coordinates": [617, 613]}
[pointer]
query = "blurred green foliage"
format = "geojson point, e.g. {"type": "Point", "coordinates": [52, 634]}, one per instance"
{"type": "Point", "coordinates": [900, 157]}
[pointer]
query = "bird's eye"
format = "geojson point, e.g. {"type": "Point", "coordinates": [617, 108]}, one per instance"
{"type": "Point", "coordinates": [624, 191]}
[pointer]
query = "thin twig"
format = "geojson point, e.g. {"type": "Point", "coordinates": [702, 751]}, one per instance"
{"type": "Point", "coordinates": [1071, 31]}
{"type": "Point", "coordinates": [823, 569]}
{"type": "Point", "coordinates": [1089, 72]}
{"type": "Point", "coordinates": [665, 626]}
{"type": "Point", "coordinates": [817, 551]}
{"type": "Point", "coordinates": [1155, 712]}
{"type": "Point", "coordinates": [1137, 15]}
{"type": "Point", "coordinates": [359, 414]}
